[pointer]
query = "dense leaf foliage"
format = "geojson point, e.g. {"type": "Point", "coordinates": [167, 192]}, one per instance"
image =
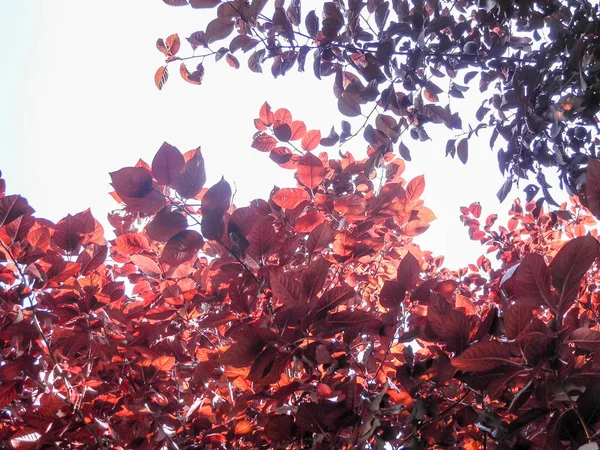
{"type": "Point", "coordinates": [307, 320]}
{"type": "Point", "coordinates": [534, 63]}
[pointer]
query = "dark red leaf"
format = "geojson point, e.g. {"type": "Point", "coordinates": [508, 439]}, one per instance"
{"type": "Point", "coordinates": [182, 247]}
{"type": "Point", "coordinates": [167, 164]}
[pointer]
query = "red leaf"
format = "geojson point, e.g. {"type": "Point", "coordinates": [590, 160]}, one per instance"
{"type": "Point", "coordinates": [130, 244]}
{"type": "Point", "coordinates": [146, 265]}
{"type": "Point", "coordinates": [263, 142]}
{"type": "Point", "coordinates": [165, 225]}
{"type": "Point", "coordinates": [286, 289]}
{"type": "Point", "coordinates": [482, 356]}
{"type": "Point", "coordinates": [532, 285]}
{"type": "Point", "coordinates": [232, 61]}
{"type": "Point", "coordinates": [415, 227]}
{"type": "Point", "coordinates": [290, 198]}
{"type": "Point", "coordinates": [449, 325]}
{"type": "Point", "coordinates": [314, 276]}
{"type": "Point", "coordinates": [392, 294]}
{"type": "Point", "coordinates": [173, 44]}
{"type": "Point", "coordinates": [167, 164]}
{"type": "Point", "coordinates": [218, 29]}
{"type": "Point", "coordinates": [319, 238]}
{"type": "Point", "coordinates": [281, 116]}
{"type": "Point", "coordinates": [298, 129]}
{"type": "Point", "coordinates": [331, 299]}
{"type": "Point", "coordinates": [182, 247]}
{"type": "Point", "coordinates": [69, 233]}
{"type": "Point", "coordinates": [409, 271]}
{"type": "Point", "coordinates": [249, 344]}
{"type": "Point", "coordinates": [310, 171]}
{"type": "Point", "coordinates": [26, 439]}
{"type": "Point", "coordinates": [311, 140]}
{"type": "Point", "coordinates": [415, 187]}
{"type": "Point", "coordinates": [308, 222]}
{"type": "Point", "coordinates": [190, 181]}
{"type": "Point", "coordinates": [570, 265]}
{"type": "Point", "coordinates": [163, 363]}
{"type": "Point", "coordinates": [215, 203]}
{"type": "Point", "coordinates": [161, 76]}
{"type": "Point", "coordinates": [262, 239]}
{"type": "Point", "coordinates": [350, 204]}
{"type": "Point", "coordinates": [92, 258]}
{"type": "Point", "coordinates": [12, 207]}
{"type": "Point", "coordinates": [586, 339]}
{"type": "Point", "coordinates": [266, 116]}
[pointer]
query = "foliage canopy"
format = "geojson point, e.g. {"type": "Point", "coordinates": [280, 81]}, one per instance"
{"type": "Point", "coordinates": [311, 319]}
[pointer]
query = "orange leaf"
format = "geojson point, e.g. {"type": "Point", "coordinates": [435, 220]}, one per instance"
{"type": "Point", "coordinates": [290, 198]}
{"type": "Point", "coordinates": [310, 171]}
{"type": "Point", "coordinates": [161, 76]}
{"type": "Point", "coordinates": [298, 129]}
{"type": "Point", "coordinates": [415, 187]}
{"type": "Point", "coordinates": [163, 363]}
{"type": "Point", "coordinates": [232, 61]}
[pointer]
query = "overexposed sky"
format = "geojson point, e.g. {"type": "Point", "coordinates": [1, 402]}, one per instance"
{"type": "Point", "coordinates": [79, 101]}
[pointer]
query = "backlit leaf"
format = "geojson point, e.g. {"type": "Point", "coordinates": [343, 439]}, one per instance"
{"type": "Point", "coordinates": [311, 140]}
{"type": "Point", "coordinates": [310, 171]}
{"type": "Point", "coordinates": [218, 29]}
{"type": "Point", "coordinates": [161, 76]}
{"type": "Point", "coordinates": [167, 164]}
{"type": "Point", "coordinates": [290, 198]}
{"type": "Point", "coordinates": [182, 247]}
{"type": "Point", "coordinates": [482, 356]}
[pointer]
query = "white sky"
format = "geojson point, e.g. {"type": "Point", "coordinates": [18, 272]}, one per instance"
{"type": "Point", "coordinates": [79, 101]}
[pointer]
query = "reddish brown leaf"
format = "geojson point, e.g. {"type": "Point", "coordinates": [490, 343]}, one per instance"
{"type": "Point", "coordinates": [570, 265]}
{"type": "Point", "coordinates": [482, 356]}
{"type": "Point", "coordinates": [92, 257]}
{"type": "Point", "coordinates": [167, 164]}
{"type": "Point", "coordinates": [592, 187]}
{"type": "Point", "coordinates": [585, 339]}
{"type": "Point", "coordinates": [350, 204]}
{"type": "Point", "coordinates": [331, 299]}
{"type": "Point", "coordinates": [462, 150]}
{"type": "Point", "coordinates": [392, 294]}
{"type": "Point", "coordinates": [243, 42]}
{"type": "Point", "coordinates": [290, 198]}
{"type": "Point", "coordinates": [283, 132]}
{"type": "Point", "coordinates": [285, 288]}
{"type": "Point", "coordinates": [190, 181]}
{"type": "Point", "coordinates": [218, 29]}
{"type": "Point", "coordinates": [310, 171]}
{"type": "Point", "coordinates": [249, 344]}
{"type": "Point", "coordinates": [132, 182]}
{"type": "Point", "coordinates": [319, 238]}
{"type": "Point", "coordinates": [182, 247]}
{"type": "Point", "coordinates": [161, 76]}
{"type": "Point", "coordinates": [311, 140]}
{"type": "Point", "coordinates": [532, 283]}
{"type": "Point", "coordinates": [308, 222]}
{"type": "Point", "coordinates": [409, 272]}
{"type": "Point", "coordinates": [165, 225]}
{"type": "Point", "coordinates": [215, 203]}
{"type": "Point", "coordinates": [262, 239]}
{"type": "Point", "coordinates": [12, 207]}
{"type": "Point", "coordinates": [449, 325]}
{"type": "Point", "coordinates": [232, 61]}
{"type": "Point", "coordinates": [173, 44]}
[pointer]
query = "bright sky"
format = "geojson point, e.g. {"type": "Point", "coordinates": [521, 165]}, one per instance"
{"type": "Point", "coordinates": [79, 101]}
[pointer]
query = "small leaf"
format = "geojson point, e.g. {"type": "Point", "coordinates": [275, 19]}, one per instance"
{"type": "Point", "coordinates": [462, 150]}
{"type": "Point", "coordinates": [173, 44]}
{"type": "Point", "coordinates": [504, 190]}
{"type": "Point", "coordinates": [161, 76]}
{"type": "Point", "coordinates": [232, 61]}
{"type": "Point", "coordinates": [404, 151]}
{"type": "Point", "coordinates": [215, 203]}
{"type": "Point", "coordinates": [415, 187]}
{"type": "Point", "coordinates": [348, 105]}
